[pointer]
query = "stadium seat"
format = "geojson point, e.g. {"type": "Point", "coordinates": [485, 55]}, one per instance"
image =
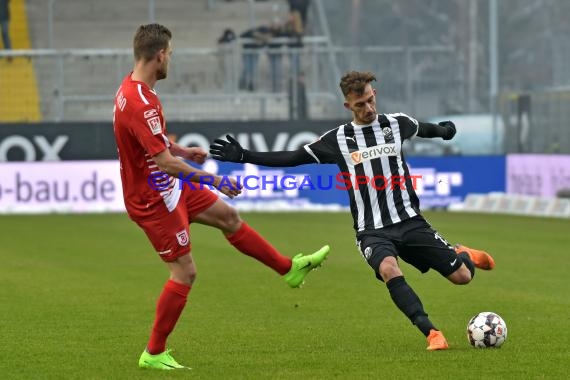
{"type": "Point", "coordinates": [19, 99]}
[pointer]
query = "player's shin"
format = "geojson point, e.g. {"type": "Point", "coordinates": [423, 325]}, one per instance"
{"type": "Point", "coordinates": [468, 263]}
{"type": "Point", "coordinates": [409, 303]}
{"type": "Point", "coordinates": [249, 242]}
{"type": "Point", "coordinates": [168, 309]}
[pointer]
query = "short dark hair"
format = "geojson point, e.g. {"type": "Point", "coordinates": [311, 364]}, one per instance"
{"type": "Point", "coordinates": [149, 40]}
{"type": "Point", "coordinates": [355, 81]}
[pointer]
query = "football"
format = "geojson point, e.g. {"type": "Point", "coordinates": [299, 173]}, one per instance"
{"type": "Point", "coordinates": [486, 329]}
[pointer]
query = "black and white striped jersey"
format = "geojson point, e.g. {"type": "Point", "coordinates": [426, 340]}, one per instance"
{"type": "Point", "coordinates": [373, 169]}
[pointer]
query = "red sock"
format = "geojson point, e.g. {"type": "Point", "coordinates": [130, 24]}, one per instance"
{"type": "Point", "coordinates": [248, 241]}
{"type": "Point", "coordinates": [168, 309]}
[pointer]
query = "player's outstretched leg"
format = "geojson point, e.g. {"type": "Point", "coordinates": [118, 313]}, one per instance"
{"type": "Point", "coordinates": [250, 242]}
{"type": "Point", "coordinates": [163, 361]}
{"type": "Point", "coordinates": [303, 264]}
{"type": "Point", "coordinates": [481, 259]}
{"type": "Point", "coordinates": [436, 341]}
{"type": "Point", "coordinates": [410, 304]}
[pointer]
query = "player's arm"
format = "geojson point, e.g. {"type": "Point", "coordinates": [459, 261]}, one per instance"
{"type": "Point", "coordinates": [232, 151]}
{"type": "Point", "coordinates": [175, 167]}
{"type": "Point", "coordinates": [444, 129]}
{"type": "Point", "coordinates": [195, 154]}
{"type": "Point", "coordinates": [146, 126]}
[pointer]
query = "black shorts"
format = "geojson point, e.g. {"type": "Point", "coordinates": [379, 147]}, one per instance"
{"type": "Point", "coordinates": [414, 241]}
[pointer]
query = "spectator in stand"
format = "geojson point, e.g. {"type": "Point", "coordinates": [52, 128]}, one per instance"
{"type": "Point", "coordinates": [257, 38]}
{"type": "Point", "coordinates": [293, 29]}
{"type": "Point", "coordinates": [225, 57]}
{"type": "Point", "coordinates": [275, 54]}
{"type": "Point", "coordinates": [301, 6]}
{"type": "Point", "coordinates": [5, 23]}
{"type": "Point", "coordinates": [227, 36]}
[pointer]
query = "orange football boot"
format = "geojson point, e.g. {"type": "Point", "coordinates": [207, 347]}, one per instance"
{"type": "Point", "coordinates": [481, 259]}
{"type": "Point", "coordinates": [436, 341]}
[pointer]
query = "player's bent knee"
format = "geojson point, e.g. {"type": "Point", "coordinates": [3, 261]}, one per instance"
{"type": "Point", "coordinates": [389, 269]}
{"type": "Point", "coordinates": [229, 220]}
{"type": "Point", "coordinates": [233, 218]}
{"type": "Point", "coordinates": [461, 276]}
{"type": "Point", "coordinates": [186, 277]}
{"type": "Point", "coordinates": [192, 276]}
{"type": "Point", "coordinates": [183, 270]}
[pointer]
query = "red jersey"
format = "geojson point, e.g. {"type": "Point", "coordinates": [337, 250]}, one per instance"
{"type": "Point", "coordinates": [140, 134]}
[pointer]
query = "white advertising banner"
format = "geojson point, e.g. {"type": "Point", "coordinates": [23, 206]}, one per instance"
{"type": "Point", "coordinates": [540, 175]}
{"type": "Point", "coordinates": [66, 187]}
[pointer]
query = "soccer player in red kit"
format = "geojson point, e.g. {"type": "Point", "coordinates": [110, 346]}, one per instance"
{"type": "Point", "coordinates": [163, 205]}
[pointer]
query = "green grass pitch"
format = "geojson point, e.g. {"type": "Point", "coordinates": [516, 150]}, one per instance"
{"type": "Point", "coordinates": [77, 296]}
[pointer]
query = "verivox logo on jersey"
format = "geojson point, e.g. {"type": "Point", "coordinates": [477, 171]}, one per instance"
{"type": "Point", "coordinates": [373, 152]}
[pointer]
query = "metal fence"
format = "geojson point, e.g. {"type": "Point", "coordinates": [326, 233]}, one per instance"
{"type": "Point", "coordinates": [62, 23]}
{"type": "Point", "coordinates": [207, 83]}
{"type": "Point", "coordinates": [536, 121]}
{"type": "Point", "coordinates": [204, 84]}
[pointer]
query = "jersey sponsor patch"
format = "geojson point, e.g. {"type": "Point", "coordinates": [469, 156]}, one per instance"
{"type": "Point", "coordinates": [373, 152]}
{"type": "Point", "coordinates": [154, 124]}
{"type": "Point", "coordinates": [356, 157]}
{"type": "Point", "coordinates": [150, 113]}
{"type": "Point", "coordinates": [182, 237]}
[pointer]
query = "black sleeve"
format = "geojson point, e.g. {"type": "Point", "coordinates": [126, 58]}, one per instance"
{"type": "Point", "coordinates": [408, 125]}
{"type": "Point", "coordinates": [279, 159]}
{"type": "Point", "coordinates": [431, 130]}
{"type": "Point", "coordinates": [325, 150]}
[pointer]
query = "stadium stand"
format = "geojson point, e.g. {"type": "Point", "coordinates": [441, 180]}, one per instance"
{"type": "Point", "coordinates": [81, 83]}
{"type": "Point", "coordinates": [19, 99]}
{"type": "Point", "coordinates": [106, 24]}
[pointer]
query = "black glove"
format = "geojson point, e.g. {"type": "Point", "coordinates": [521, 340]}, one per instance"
{"type": "Point", "coordinates": [450, 129]}
{"type": "Point", "coordinates": [230, 150]}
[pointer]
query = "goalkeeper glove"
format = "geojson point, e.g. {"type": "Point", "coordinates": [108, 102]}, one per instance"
{"type": "Point", "coordinates": [450, 129]}
{"type": "Point", "coordinates": [229, 150]}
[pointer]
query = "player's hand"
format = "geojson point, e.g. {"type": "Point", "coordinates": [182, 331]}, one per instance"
{"type": "Point", "coordinates": [229, 187]}
{"type": "Point", "coordinates": [450, 129]}
{"type": "Point", "coordinates": [229, 150]}
{"type": "Point", "coordinates": [196, 154]}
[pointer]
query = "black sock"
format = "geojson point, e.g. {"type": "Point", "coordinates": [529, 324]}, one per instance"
{"type": "Point", "coordinates": [409, 303]}
{"type": "Point", "coordinates": [468, 263]}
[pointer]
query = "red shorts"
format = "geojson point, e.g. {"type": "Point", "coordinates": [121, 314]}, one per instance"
{"type": "Point", "coordinates": [170, 234]}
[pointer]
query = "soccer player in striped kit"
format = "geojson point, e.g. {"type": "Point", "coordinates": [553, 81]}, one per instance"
{"type": "Point", "coordinates": [163, 205]}
{"type": "Point", "coordinates": [383, 203]}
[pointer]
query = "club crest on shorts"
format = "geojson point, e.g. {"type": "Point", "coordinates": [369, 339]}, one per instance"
{"type": "Point", "coordinates": [182, 237]}
{"type": "Point", "coordinates": [367, 253]}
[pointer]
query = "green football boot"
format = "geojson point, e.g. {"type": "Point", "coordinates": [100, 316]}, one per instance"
{"type": "Point", "coordinates": [303, 264]}
{"type": "Point", "coordinates": [159, 361]}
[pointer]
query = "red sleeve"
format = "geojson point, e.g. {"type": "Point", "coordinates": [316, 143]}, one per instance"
{"type": "Point", "coordinates": [147, 125]}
